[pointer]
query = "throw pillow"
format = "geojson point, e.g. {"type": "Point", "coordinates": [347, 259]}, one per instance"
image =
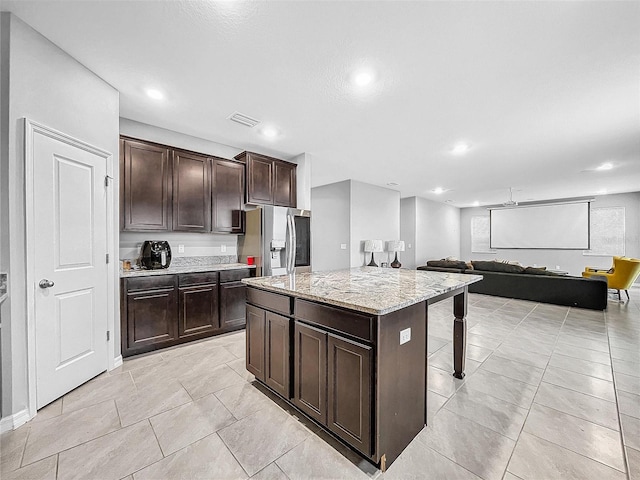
{"type": "Point", "coordinates": [447, 264]}
{"type": "Point", "coordinates": [496, 267]}
{"type": "Point", "coordinates": [539, 271]}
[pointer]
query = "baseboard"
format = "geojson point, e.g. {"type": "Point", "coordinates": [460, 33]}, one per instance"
{"type": "Point", "coordinates": [14, 421]}
{"type": "Point", "coordinates": [117, 361]}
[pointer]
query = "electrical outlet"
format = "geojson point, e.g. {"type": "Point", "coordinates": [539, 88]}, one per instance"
{"type": "Point", "coordinates": [405, 336]}
{"type": "Point", "coordinates": [343, 246]}
{"type": "Point", "coordinates": [223, 248]}
{"type": "Point", "coordinates": [409, 246]}
{"type": "Point", "coordinates": [180, 248]}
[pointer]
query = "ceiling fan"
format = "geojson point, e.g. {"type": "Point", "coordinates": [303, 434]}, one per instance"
{"type": "Point", "coordinates": [510, 202]}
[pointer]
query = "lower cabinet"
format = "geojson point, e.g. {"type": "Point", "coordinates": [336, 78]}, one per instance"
{"type": "Point", "coordinates": [164, 310]}
{"type": "Point", "coordinates": [255, 341]}
{"type": "Point", "coordinates": [310, 371]}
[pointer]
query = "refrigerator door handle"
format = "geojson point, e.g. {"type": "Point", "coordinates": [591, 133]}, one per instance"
{"type": "Point", "coordinates": [291, 237]}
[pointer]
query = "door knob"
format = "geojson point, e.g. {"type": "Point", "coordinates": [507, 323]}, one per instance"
{"type": "Point", "coordinates": [44, 283]}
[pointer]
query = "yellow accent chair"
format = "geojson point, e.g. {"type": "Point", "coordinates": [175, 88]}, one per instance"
{"type": "Point", "coordinates": [620, 276]}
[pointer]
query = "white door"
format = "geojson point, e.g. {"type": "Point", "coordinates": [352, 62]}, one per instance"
{"type": "Point", "coordinates": [70, 243]}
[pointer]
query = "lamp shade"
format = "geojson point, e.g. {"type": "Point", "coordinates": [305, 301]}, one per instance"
{"type": "Point", "coordinates": [395, 246]}
{"type": "Point", "coordinates": [373, 246]}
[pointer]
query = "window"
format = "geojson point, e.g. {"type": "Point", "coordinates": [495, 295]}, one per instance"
{"type": "Point", "coordinates": [480, 228]}
{"type": "Point", "coordinates": [606, 231]}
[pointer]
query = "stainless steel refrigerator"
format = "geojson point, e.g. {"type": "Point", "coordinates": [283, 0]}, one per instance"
{"type": "Point", "coordinates": [279, 239]}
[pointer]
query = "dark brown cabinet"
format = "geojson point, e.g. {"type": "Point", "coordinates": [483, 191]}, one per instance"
{"type": "Point", "coordinates": [228, 196]}
{"type": "Point", "coordinates": [166, 189]}
{"type": "Point", "coordinates": [255, 341]}
{"type": "Point", "coordinates": [310, 371]}
{"type": "Point", "coordinates": [277, 353]}
{"type": "Point", "coordinates": [270, 181]}
{"type": "Point", "coordinates": [191, 192]}
{"type": "Point", "coordinates": [145, 186]}
{"type": "Point", "coordinates": [232, 304]}
{"type": "Point", "coordinates": [198, 304]}
{"type": "Point", "coordinates": [151, 314]}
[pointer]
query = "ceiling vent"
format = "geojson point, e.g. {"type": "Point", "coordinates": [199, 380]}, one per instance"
{"type": "Point", "coordinates": [243, 119]}
{"type": "Point", "coordinates": [510, 202]}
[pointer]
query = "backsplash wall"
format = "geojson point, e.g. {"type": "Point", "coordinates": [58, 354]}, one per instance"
{"type": "Point", "coordinates": [195, 244]}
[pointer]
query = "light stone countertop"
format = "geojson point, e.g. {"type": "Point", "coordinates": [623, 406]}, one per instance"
{"type": "Point", "coordinates": [372, 290]}
{"type": "Point", "coordinates": [183, 269]}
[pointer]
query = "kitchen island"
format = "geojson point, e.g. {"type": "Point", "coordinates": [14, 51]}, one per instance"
{"type": "Point", "coordinates": [348, 348]}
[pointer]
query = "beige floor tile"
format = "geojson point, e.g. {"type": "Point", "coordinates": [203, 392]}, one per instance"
{"type": "Point", "coordinates": [12, 447]}
{"type": "Point", "coordinates": [206, 459]}
{"type": "Point", "coordinates": [628, 383]}
{"type": "Point", "coordinates": [163, 372]}
{"type": "Point", "coordinates": [474, 447]}
{"type": "Point", "coordinates": [138, 361]}
{"type": "Point", "coordinates": [583, 353]}
{"type": "Point", "coordinates": [52, 410]}
{"type": "Point", "coordinates": [70, 429]}
{"type": "Point", "coordinates": [627, 368]}
{"type": "Point", "coordinates": [499, 386]}
{"type": "Point", "coordinates": [262, 437]}
{"type": "Point", "coordinates": [586, 438]}
{"type": "Point", "coordinates": [45, 469]}
{"type": "Point", "coordinates": [434, 404]}
{"type": "Point", "coordinates": [111, 457]}
{"type": "Point", "coordinates": [150, 401]}
{"type": "Point", "coordinates": [599, 345]}
{"type": "Point", "coordinates": [528, 343]}
{"type": "Point", "coordinates": [626, 355]}
{"type": "Point", "coordinates": [633, 456]}
{"type": "Point", "coordinates": [441, 382]}
{"type": "Point", "coordinates": [98, 390]}
{"type": "Point", "coordinates": [580, 383]}
{"type": "Point", "coordinates": [314, 459]}
{"type": "Point", "coordinates": [500, 416]}
{"type": "Point", "coordinates": [631, 431]}
{"type": "Point", "coordinates": [535, 459]}
{"type": "Point", "coordinates": [183, 425]}
{"type": "Point", "coordinates": [239, 365]}
{"type": "Point", "coordinates": [518, 354]}
{"type": "Point", "coordinates": [202, 362]}
{"type": "Point", "coordinates": [238, 349]}
{"type": "Point", "coordinates": [578, 404]}
{"type": "Point", "coordinates": [629, 404]}
{"type": "Point", "coordinates": [510, 476]}
{"type": "Point", "coordinates": [270, 472]}
{"type": "Point", "coordinates": [513, 369]}
{"type": "Point", "coordinates": [201, 384]}
{"type": "Point", "coordinates": [482, 341]}
{"type": "Point", "coordinates": [443, 359]}
{"type": "Point", "coordinates": [585, 367]}
{"type": "Point", "coordinates": [242, 399]}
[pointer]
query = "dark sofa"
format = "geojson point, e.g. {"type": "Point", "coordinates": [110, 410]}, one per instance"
{"type": "Point", "coordinates": [578, 292]}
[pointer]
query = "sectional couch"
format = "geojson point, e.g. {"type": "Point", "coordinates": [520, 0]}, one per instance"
{"type": "Point", "coordinates": [537, 285]}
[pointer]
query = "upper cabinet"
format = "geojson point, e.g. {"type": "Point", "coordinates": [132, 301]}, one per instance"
{"type": "Point", "coordinates": [228, 196]}
{"type": "Point", "coordinates": [269, 181]}
{"type": "Point", "coordinates": [145, 186]}
{"type": "Point", "coordinates": [191, 192]}
{"type": "Point", "coordinates": [166, 189]}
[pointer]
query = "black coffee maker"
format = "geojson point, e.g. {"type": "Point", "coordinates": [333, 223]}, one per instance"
{"type": "Point", "coordinates": [155, 254]}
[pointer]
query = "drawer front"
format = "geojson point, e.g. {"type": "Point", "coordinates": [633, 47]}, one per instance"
{"type": "Point", "coordinates": [197, 278]}
{"type": "Point", "coordinates": [150, 283]}
{"type": "Point", "coordinates": [337, 319]}
{"type": "Point", "coordinates": [269, 301]}
{"type": "Point", "coordinates": [234, 275]}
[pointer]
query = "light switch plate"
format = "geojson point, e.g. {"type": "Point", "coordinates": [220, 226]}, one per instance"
{"type": "Point", "coordinates": [180, 248]}
{"type": "Point", "coordinates": [343, 246]}
{"type": "Point", "coordinates": [405, 336]}
{"type": "Point", "coordinates": [223, 248]}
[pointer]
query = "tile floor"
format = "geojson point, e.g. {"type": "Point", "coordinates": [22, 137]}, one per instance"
{"type": "Point", "coordinates": [551, 393]}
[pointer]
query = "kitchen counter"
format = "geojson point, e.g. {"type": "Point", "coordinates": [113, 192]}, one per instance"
{"type": "Point", "coordinates": [173, 270]}
{"type": "Point", "coordinates": [377, 291]}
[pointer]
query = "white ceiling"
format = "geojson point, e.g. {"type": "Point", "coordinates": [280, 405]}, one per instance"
{"type": "Point", "coordinates": [543, 91]}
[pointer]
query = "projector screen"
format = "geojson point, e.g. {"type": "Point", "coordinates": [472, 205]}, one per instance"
{"type": "Point", "coordinates": [553, 226]}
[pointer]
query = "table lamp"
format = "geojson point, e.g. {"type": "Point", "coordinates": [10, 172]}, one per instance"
{"type": "Point", "coordinates": [395, 246]}
{"type": "Point", "coordinates": [373, 246]}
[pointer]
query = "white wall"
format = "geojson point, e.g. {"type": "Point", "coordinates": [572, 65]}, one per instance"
{"type": "Point", "coordinates": [572, 261]}
{"type": "Point", "coordinates": [375, 214]}
{"type": "Point", "coordinates": [330, 226]}
{"type": "Point", "coordinates": [437, 231]}
{"type": "Point", "coordinates": [408, 232]}
{"type": "Point", "coordinates": [48, 86]}
{"type": "Point", "coordinates": [195, 244]}
{"type": "Point", "coordinates": [303, 180]}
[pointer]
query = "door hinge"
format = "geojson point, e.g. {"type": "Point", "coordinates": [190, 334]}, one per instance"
{"type": "Point", "coordinates": [108, 335]}
{"type": "Point", "coordinates": [107, 257]}
{"type": "Point", "coordinates": [106, 180]}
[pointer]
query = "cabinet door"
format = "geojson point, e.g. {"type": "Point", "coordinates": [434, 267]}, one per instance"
{"type": "Point", "coordinates": [228, 196]}
{"type": "Point", "coordinates": [198, 310]}
{"type": "Point", "coordinates": [310, 371]}
{"type": "Point", "coordinates": [284, 190]}
{"type": "Point", "coordinates": [255, 341]}
{"type": "Point", "coordinates": [259, 179]}
{"type": "Point", "coordinates": [191, 192]}
{"type": "Point", "coordinates": [146, 186]}
{"type": "Point", "coordinates": [232, 304]}
{"type": "Point", "coordinates": [349, 388]}
{"type": "Point", "coordinates": [151, 318]}
{"type": "Point", "coordinates": [277, 346]}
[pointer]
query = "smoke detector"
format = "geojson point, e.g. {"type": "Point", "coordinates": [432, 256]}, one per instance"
{"type": "Point", "coordinates": [510, 202]}
{"type": "Point", "coordinates": [243, 119]}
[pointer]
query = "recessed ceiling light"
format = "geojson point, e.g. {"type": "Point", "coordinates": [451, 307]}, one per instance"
{"type": "Point", "coordinates": [362, 78]}
{"type": "Point", "coordinates": [155, 94]}
{"type": "Point", "coordinates": [476, 203]}
{"type": "Point", "coordinates": [269, 132]}
{"type": "Point", "coordinates": [460, 148]}
{"type": "Point", "coordinates": [438, 190]}
{"type": "Point", "coordinates": [605, 166]}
